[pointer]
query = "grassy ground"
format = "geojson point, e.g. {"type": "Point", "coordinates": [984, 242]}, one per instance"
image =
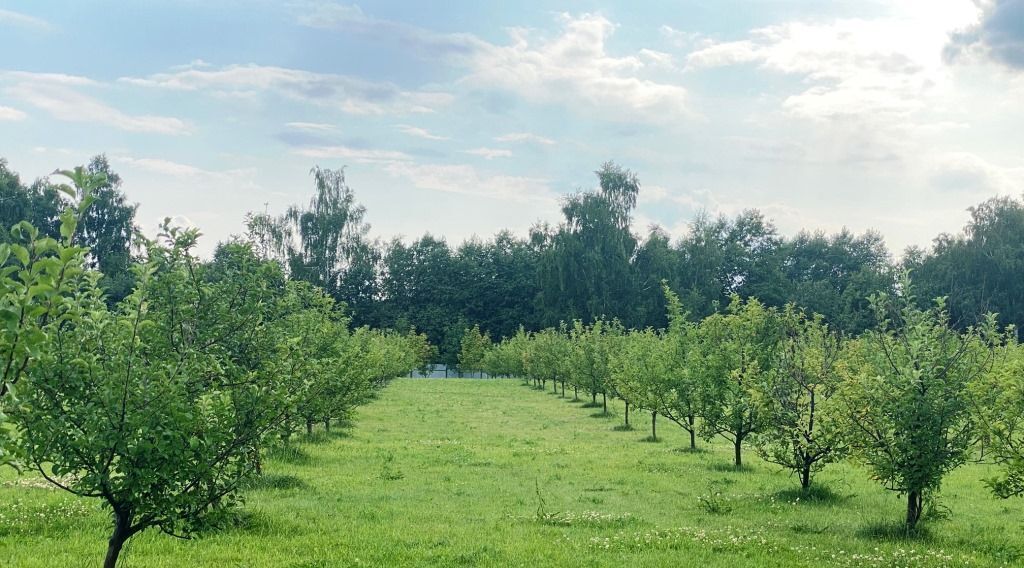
{"type": "Point", "coordinates": [492, 473]}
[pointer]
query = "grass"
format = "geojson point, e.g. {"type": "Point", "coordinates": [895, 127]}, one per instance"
{"type": "Point", "coordinates": [490, 473]}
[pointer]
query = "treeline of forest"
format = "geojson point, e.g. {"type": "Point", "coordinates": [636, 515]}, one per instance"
{"type": "Point", "coordinates": [587, 266]}
{"type": "Point", "coordinates": [911, 398]}
{"type": "Point", "coordinates": [157, 383]}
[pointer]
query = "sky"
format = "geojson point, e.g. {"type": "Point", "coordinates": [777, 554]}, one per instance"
{"type": "Point", "coordinates": [463, 118]}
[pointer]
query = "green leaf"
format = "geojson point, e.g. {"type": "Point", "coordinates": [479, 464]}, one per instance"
{"type": "Point", "coordinates": [20, 253]}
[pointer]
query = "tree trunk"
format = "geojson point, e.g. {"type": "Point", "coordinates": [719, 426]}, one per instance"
{"type": "Point", "coordinates": [309, 426]}
{"type": "Point", "coordinates": [654, 426]}
{"type": "Point", "coordinates": [738, 445]}
{"type": "Point", "coordinates": [563, 388]}
{"type": "Point", "coordinates": [627, 413]}
{"type": "Point", "coordinates": [915, 500]}
{"type": "Point", "coordinates": [554, 386]}
{"type": "Point", "coordinates": [805, 477]}
{"type": "Point", "coordinates": [593, 397]}
{"type": "Point", "coordinates": [327, 424]}
{"type": "Point", "coordinates": [122, 532]}
{"type": "Point", "coordinates": [575, 392]}
{"type": "Point", "coordinates": [604, 401]}
{"type": "Point", "coordinates": [693, 434]}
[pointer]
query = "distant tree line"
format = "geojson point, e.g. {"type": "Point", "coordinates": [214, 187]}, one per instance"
{"type": "Point", "coordinates": [589, 265]}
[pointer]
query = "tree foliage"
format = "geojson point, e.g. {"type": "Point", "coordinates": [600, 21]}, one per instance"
{"type": "Point", "coordinates": [907, 407]}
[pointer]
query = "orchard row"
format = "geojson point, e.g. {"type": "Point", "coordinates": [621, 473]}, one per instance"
{"type": "Point", "coordinates": [911, 398]}
{"type": "Point", "coordinates": [161, 405]}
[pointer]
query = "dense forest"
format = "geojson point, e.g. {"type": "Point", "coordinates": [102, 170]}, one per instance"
{"type": "Point", "coordinates": [589, 265]}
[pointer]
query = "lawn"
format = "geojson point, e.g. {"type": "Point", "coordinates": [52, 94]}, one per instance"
{"type": "Point", "coordinates": [466, 472]}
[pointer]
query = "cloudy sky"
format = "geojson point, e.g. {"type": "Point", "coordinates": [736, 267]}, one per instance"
{"type": "Point", "coordinates": [465, 117]}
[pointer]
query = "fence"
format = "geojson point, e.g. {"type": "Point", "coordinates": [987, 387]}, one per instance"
{"type": "Point", "coordinates": [440, 371]}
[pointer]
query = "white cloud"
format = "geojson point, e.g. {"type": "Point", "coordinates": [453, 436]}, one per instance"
{"type": "Point", "coordinates": [182, 171]}
{"type": "Point", "coordinates": [489, 153]}
{"type": "Point", "coordinates": [310, 126]}
{"type": "Point", "coordinates": [348, 94]}
{"type": "Point", "coordinates": [466, 180]}
{"type": "Point", "coordinates": [419, 132]}
{"type": "Point", "coordinates": [349, 18]}
{"type": "Point", "coordinates": [24, 20]}
{"type": "Point", "coordinates": [575, 69]}
{"type": "Point", "coordinates": [360, 155]}
{"type": "Point", "coordinates": [967, 172]}
{"type": "Point", "coordinates": [678, 38]}
{"type": "Point", "coordinates": [57, 95]}
{"type": "Point", "coordinates": [518, 137]}
{"type": "Point", "coordinates": [8, 113]}
{"type": "Point", "coordinates": [851, 67]}
{"type": "Point", "coordinates": [49, 78]}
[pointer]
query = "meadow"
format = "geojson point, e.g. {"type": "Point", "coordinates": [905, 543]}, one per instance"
{"type": "Point", "coordinates": [465, 472]}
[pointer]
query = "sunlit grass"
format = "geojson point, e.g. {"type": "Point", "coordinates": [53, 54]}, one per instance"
{"type": "Point", "coordinates": [467, 473]}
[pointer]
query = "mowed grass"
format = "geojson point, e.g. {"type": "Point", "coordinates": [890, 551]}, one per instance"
{"type": "Point", "coordinates": [468, 472]}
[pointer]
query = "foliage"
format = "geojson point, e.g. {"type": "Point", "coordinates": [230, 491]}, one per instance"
{"type": "Point", "coordinates": [322, 242]}
{"type": "Point", "coordinates": [590, 357]}
{"type": "Point", "coordinates": [639, 368]}
{"type": "Point", "coordinates": [474, 347]}
{"type": "Point", "coordinates": [906, 407]}
{"type": "Point", "coordinates": [999, 399]}
{"type": "Point", "coordinates": [42, 280]}
{"type": "Point", "coordinates": [679, 390]}
{"type": "Point", "coordinates": [978, 271]}
{"type": "Point", "coordinates": [736, 351]}
{"type": "Point", "coordinates": [803, 433]}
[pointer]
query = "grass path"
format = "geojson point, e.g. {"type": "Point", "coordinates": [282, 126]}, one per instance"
{"type": "Point", "coordinates": [455, 472]}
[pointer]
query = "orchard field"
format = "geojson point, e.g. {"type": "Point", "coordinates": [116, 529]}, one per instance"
{"type": "Point", "coordinates": [466, 472]}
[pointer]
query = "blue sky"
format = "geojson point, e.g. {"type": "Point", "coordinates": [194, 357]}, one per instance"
{"type": "Point", "coordinates": [464, 118]}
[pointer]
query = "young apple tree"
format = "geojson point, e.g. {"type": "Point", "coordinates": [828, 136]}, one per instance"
{"type": "Point", "coordinates": [679, 391]}
{"type": "Point", "coordinates": [797, 400]}
{"type": "Point", "coordinates": [473, 349]}
{"type": "Point", "coordinates": [908, 414]}
{"type": "Point", "coordinates": [154, 407]}
{"type": "Point", "coordinates": [999, 397]}
{"type": "Point", "coordinates": [638, 367]}
{"type": "Point", "coordinates": [734, 353]}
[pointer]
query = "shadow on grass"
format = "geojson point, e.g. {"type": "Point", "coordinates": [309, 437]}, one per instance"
{"type": "Point", "coordinates": [894, 532]}
{"type": "Point", "coordinates": [237, 520]}
{"type": "Point", "coordinates": [651, 440]}
{"type": "Point", "coordinates": [339, 432]}
{"type": "Point", "coordinates": [730, 467]}
{"type": "Point", "coordinates": [689, 450]}
{"type": "Point", "coordinates": [290, 454]}
{"type": "Point", "coordinates": [277, 481]}
{"type": "Point", "coordinates": [602, 415]}
{"type": "Point", "coordinates": [591, 405]}
{"type": "Point", "coordinates": [623, 428]}
{"type": "Point", "coordinates": [814, 495]}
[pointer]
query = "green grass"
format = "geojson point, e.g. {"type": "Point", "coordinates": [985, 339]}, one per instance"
{"type": "Point", "coordinates": [491, 473]}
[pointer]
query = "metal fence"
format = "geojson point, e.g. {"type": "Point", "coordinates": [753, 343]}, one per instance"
{"type": "Point", "coordinates": [440, 371]}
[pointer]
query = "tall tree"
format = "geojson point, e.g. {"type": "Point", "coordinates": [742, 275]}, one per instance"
{"type": "Point", "coordinates": [108, 229]}
{"type": "Point", "coordinates": [980, 269]}
{"type": "Point", "coordinates": [587, 269]}
{"type": "Point", "coordinates": [323, 242]}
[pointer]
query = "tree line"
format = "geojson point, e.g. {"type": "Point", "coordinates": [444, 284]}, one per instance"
{"type": "Point", "coordinates": [589, 265]}
{"type": "Point", "coordinates": [592, 265]}
{"type": "Point", "coordinates": [161, 399]}
{"type": "Point", "coordinates": [911, 398]}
